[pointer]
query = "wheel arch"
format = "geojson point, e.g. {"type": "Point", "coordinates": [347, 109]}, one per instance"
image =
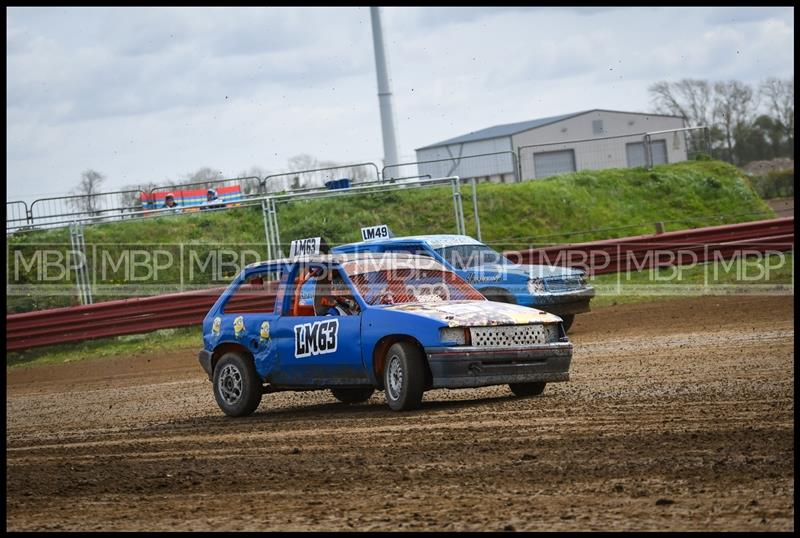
{"type": "Point", "coordinates": [495, 291]}
{"type": "Point", "coordinates": [226, 347]}
{"type": "Point", "coordinates": [379, 357]}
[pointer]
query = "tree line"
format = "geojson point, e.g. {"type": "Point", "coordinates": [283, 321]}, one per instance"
{"type": "Point", "coordinates": [746, 122]}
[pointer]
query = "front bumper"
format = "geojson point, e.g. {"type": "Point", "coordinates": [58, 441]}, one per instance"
{"type": "Point", "coordinates": [205, 361]}
{"type": "Point", "coordinates": [572, 302]}
{"type": "Point", "coordinates": [467, 366]}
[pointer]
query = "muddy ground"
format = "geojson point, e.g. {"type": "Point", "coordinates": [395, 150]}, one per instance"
{"type": "Point", "coordinates": [783, 207]}
{"type": "Point", "coordinates": [678, 416]}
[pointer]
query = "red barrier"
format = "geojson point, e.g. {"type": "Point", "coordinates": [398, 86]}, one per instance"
{"type": "Point", "coordinates": [117, 318]}
{"type": "Point", "coordinates": [144, 314]}
{"type": "Point", "coordinates": [641, 252]}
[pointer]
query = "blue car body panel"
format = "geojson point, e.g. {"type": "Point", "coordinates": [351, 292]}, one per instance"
{"type": "Point", "coordinates": [563, 290]}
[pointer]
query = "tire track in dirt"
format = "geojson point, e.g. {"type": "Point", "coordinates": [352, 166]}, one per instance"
{"type": "Point", "coordinates": [684, 427]}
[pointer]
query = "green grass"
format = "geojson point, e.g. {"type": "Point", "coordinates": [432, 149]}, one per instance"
{"type": "Point", "coordinates": [756, 274]}
{"type": "Point", "coordinates": [130, 345]}
{"type": "Point", "coordinates": [685, 195]}
{"type": "Point", "coordinates": [576, 207]}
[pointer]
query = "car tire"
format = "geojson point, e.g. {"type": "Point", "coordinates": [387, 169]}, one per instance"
{"type": "Point", "coordinates": [527, 389]}
{"type": "Point", "coordinates": [404, 377]}
{"type": "Point", "coordinates": [568, 319]}
{"type": "Point", "coordinates": [237, 387]}
{"type": "Point", "coordinates": [353, 396]}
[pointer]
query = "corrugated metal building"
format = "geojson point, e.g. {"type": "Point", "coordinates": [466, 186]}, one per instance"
{"type": "Point", "coordinates": [591, 139]}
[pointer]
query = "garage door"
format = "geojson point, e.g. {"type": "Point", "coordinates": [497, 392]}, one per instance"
{"type": "Point", "coordinates": [550, 163]}
{"type": "Point", "coordinates": [636, 156]}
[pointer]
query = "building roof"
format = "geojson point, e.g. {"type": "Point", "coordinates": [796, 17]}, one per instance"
{"type": "Point", "coordinates": [509, 129]}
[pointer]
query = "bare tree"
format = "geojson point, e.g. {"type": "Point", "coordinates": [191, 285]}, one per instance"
{"type": "Point", "coordinates": [693, 100]}
{"type": "Point", "coordinates": [779, 97]}
{"type": "Point", "coordinates": [690, 98]}
{"type": "Point", "coordinates": [252, 186]}
{"type": "Point", "coordinates": [299, 163]}
{"type": "Point", "coordinates": [131, 198]}
{"type": "Point", "coordinates": [206, 176]}
{"type": "Point", "coordinates": [359, 173]}
{"type": "Point", "coordinates": [320, 178]}
{"type": "Point", "coordinates": [734, 107]}
{"type": "Point", "coordinates": [304, 161]}
{"type": "Point", "coordinates": [85, 194]}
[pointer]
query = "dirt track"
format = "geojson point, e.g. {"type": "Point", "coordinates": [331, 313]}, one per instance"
{"type": "Point", "coordinates": [679, 415]}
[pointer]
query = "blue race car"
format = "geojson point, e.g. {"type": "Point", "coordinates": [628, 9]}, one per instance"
{"type": "Point", "coordinates": [394, 322]}
{"type": "Point", "coordinates": [558, 290]}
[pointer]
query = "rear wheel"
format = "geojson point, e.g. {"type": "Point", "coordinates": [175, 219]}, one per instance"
{"type": "Point", "coordinates": [527, 389]}
{"type": "Point", "coordinates": [352, 396]}
{"type": "Point", "coordinates": [568, 319]}
{"type": "Point", "coordinates": [404, 377]}
{"type": "Point", "coordinates": [237, 387]}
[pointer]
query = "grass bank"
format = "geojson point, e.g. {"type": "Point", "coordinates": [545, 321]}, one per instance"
{"type": "Point", "coordinates": [575, 207]}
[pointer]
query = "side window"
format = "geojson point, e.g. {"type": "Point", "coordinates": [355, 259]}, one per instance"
{"type": "Point", "coordinates": [333, 296]}
{"type": "Point", "coordinates": [256, 295]}
{"type": "Point", "coordinates": [299, 291]}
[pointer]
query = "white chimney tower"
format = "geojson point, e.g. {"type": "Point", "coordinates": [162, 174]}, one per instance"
{"type": "Point", "coordinates": [384, 93]}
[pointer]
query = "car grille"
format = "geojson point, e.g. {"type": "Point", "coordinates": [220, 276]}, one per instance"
{"type": "Point", "coordinates": [569, 283]}
{"type": "Point", "coordinates": [514, 335]}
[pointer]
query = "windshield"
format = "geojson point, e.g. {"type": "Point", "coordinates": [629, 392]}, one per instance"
{"type": "Point", "coordinates": [396, 286]}
{"type": "Point", "coordinates": [467, 256]}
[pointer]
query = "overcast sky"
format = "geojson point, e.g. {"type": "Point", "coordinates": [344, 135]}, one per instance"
{"type": "Point", "coordinates": [145, 94]}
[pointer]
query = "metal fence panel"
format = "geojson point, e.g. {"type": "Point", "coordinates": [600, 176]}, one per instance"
{"type": "Point", "coordinates": [588, 154]}
{"type": "Point", "coordinates": [636, 153]}
{"type": "Point", "coordinates": [16, 215]}
{"type": "Point", "coordinates": [272, 226]}
{"type": "Point", "coordinates": [688, 141]}
{"type": "Point", "coordinates": [250, 185]}
{"type": "Point", "coordinates": [65, 208]}
{"type": "Point", "coordinates": [496, 166]}
{"type": "Point", "coordinates": [307, 180]}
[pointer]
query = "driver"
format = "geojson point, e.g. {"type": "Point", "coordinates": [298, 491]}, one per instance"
{"type": "Point", "coordinates": [339, 302]}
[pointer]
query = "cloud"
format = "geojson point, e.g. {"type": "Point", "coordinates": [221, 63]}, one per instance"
{"type": "Point", "coordinates": [145, 94]}
{"type": "Point", "coordinates": [741, 15]}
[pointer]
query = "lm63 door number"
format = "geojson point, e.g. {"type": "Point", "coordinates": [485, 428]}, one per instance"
{"type": "Point", "coordinates": [316, 338]}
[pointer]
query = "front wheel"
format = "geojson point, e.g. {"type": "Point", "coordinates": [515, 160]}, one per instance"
{"type": "Point", "coordinates": [527, 389]}
{"type": "Point", "coordinates": [404, 377]}
{"type": "Point", "coordinates": [352, 396]}
{"type": "Point", "coordinates": [237, 387]}
{"type": "Point", "coordinates": [568, 319]}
